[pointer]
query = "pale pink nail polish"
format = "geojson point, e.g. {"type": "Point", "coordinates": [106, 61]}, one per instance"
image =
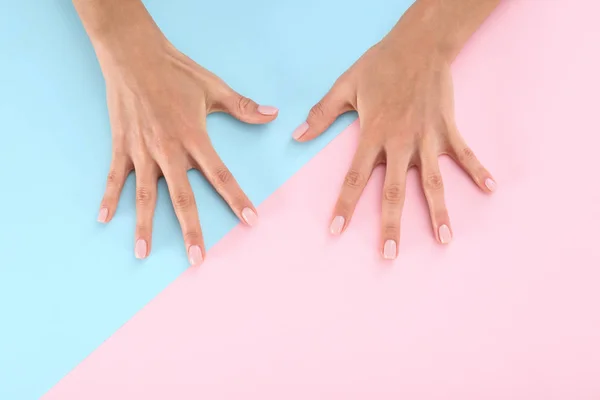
{"type": "Point", "coordinates": [141, 248]}
{"type": "Point", "coordinates": [195, 255]}
{"type": "Point", "coordinates": [267, 110]}
{"type": "Point", "coordinates": [389, 250]}
{"type": "Point", "coordinates": [103, 215]}
{"type": "Point", "coordinates": [300, 131]}
{"type": "Point", "coordinates": [337, 225]}
{"type": "Point", "coordinates": [249, 216]}
{"type": "Point", "coordinates": [445, 234]}
{"type": "Point", "coordinates": [490, 184]}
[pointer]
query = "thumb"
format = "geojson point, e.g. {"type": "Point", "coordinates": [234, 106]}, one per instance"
{"type": "Point", "coordinates": [324, 113]}
{"type": "Point", "coordinates": [247, 110]}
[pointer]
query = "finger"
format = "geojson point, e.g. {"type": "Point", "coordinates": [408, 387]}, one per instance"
{"type": "Point", "coordinates": [354, 183]}
{"type": "Point", "coordinates": [336, 102]}
{"type": "Point", "coordinates": [433, 187]}
{"type": "Point", "coordinates": [146, 176]}
{"type": "Point", "coordinates": [184, 204]}
{"type": "Point", "coordinates": [219, 176]}
{"type": "Point", "coordinates": [120, 167]}
{"type": "Point", "coordinates": [394, 189]}
{"type": "Point", "coordinates": [244, 109]}
{"type": "Point", "coordinates": [465, 157]}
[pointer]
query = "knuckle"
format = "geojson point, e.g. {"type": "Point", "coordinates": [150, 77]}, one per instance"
{"type": "Point", "coordinates": [161, 146]}
{"type": "Point", "coordinates": [317, 111]}
{"type": "Point", "coordinates": [192, 237]}
{"type": "Point", "coordinates": [433, 182]}
{"type": "Point", "coordinates": [222, 176]}
{"type": "Point", "coordinates": [391, 230]}
{"type": "Point", "coordinates": [113, 178]}
{"type": "Point", "coordinates": [182, 200]}
{"type": "Point", "coordinates": [143, 195]}
{"type": "Point", "coordinates": [142, 228]}
{"type": "Point", "coordinates": [466, 155]}
{"type": "Point", "coordinates": [354, 179]}
{"type": "Point", "coordinates": [393, 194]}
{"type": "Point", "coordinates": [419, 135]}
{"type": "Point", "coordinates": [164, 147]}
{"type": "Point", "coordinates": [244, 104]}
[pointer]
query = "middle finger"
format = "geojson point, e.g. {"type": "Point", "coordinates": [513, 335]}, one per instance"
{"type": "Point", "coordinates": [433, 187]}
{"type": "Point", "coordinates": [184, 204]}
{"type": "Point", "coordinates": [394, 189]}
{"type": "Point", "coordinates": [146, 176]}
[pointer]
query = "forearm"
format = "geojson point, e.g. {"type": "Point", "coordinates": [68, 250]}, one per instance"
{"type": "Point", "coordinates": [120, 30]}
{"type": "Point", "coordinates": [443, 26]}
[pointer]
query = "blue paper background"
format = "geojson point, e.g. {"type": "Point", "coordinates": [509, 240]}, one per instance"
{"type": "Point", "coordinates": [66, 282]}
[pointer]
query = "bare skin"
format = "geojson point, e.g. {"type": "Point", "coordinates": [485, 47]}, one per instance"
{"type": "Point", "coordinates": [402, 91]}
{"type": "Point", "coordinates": [158, 100]}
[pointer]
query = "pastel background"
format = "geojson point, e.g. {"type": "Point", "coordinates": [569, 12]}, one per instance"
{"type": "Point", "coordinates": [508, 311]}
{"type": "Point", "coordinates": [66, 282]}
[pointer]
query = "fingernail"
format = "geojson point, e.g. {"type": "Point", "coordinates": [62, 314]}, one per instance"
{"type": "Point", "coordinates": [337, 225]}
{"type": "Point", "coordinates": [267, 110]}
{"type": "Point", "coordinates": [300, 131]}
{"type": "Point", "coordinates": [389, 250]}
{"type": "Point", "coordinates": [445, 234]}
{"type": "Point", "coordinates": [103, 215]}
{"type": "Point", "coordinates": [195, 255]}
{"type": "Point", "coordinates": [490, 184]}
{"type": "Point", "coordinates": [141, 248]}
{"type": "Point", "coordinates": [249, 216]}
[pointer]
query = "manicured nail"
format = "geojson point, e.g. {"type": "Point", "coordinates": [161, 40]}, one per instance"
{"type": "Point", "coordinates": [445, 234]}
{"type": "Point", "coordinates": [490, 184]}
{"type": "Point", "coordinates": [249, 216]}
{"type": "Point", "coordinates": [300, 131]}
{"type": "Point", "coordinates": [141, 248]}
{"type": "Point", "coordinates": [195, 255]}
{"type": "Point", "coordinates": [337, 225]}
{"type": "Point", "coordinates": [267, 110]}
{"type": "Point", "coordinates": [389, 250]}
{"type": "Point", "coordinates": [103, 215]}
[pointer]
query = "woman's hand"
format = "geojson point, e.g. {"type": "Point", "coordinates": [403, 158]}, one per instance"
{"type": "Point", "coordinates": [402, 90]}
{"type": "Point", "coordinates": [158, 100]}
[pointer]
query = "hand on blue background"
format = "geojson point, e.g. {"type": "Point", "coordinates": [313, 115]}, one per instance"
{"type": "Point", "coordinates": [158, 100]}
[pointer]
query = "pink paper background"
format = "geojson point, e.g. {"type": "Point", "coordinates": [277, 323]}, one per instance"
{"type": "Point", "coordinates": [510, 310]}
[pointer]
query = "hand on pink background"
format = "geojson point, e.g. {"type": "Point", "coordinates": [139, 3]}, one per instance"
{"type": "Point", "coordinates": [158, 100]}
{"type": "Point", "coordinates": [402, 90]}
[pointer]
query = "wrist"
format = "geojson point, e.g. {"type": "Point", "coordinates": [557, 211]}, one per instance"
{"type": "Point", "coordinates": [421, 32]}
{"type": "Point", "coordinates": [131, 47]}
{"type": "Point", "coordinates": [121, 31]}
{"type": "Point", "coordinates": [441, 26]}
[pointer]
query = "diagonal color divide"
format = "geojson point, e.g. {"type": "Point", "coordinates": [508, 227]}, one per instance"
{"type": "Point", "coordinates": [67, 283]}
{"type": "Point", "coordinates": [285, 311]}
{"type": "Point", "coordinates": [507, 311]}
